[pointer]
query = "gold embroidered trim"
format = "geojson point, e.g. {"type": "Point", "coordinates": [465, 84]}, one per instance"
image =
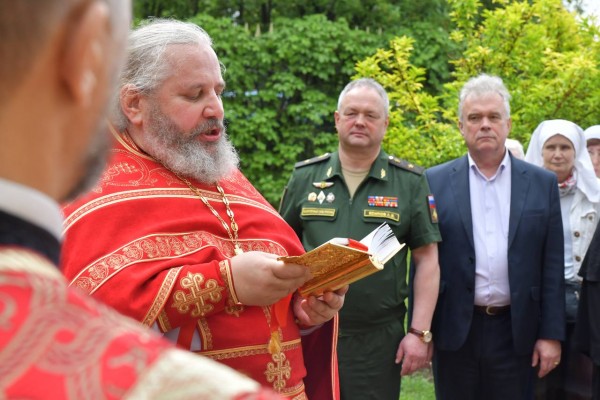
{"type": "Point", "coordinates": [162, 296]}
{"type": "Point", "coordinates": [296, 392]}
{"type": "Point", "coordinates": [225, 270]}
{"type": "Point", "coordinates": [205, 334]}
{"type": "Point", "coordinates": [129, 195]}
{"type": "Point", "coordinates": [163, 321]}
{"type": "Point", "coordinates": [247, 351]}
{"type": "Point", "coordinates": [161, 247]}
{"type": "Point", "coordinates": [196, 300]}
{"type": "Point", "coordinates": [301, 396]}
{"type": "Point", "coordinates": [128, 143]}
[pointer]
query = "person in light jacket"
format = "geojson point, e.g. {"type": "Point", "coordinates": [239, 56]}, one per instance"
{"type": "Point", "coordinates": [560, 146]}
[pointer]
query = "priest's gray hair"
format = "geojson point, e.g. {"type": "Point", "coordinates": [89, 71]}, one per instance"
{"type": "Point", "coordinates": [147, 64]}
{"type": "Point", "coordinates": [370, 83]}
{"type": "Point", "coordinates": [481, 85]}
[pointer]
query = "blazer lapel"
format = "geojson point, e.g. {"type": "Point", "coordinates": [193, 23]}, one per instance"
{"type": "Point", "coordinates": [518, 196]}
{"type": "Point", "coordinates": [459, 178]}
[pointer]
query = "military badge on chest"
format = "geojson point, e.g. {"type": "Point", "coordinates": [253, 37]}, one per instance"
{"type": "Point", "coordinates": [322, 196]}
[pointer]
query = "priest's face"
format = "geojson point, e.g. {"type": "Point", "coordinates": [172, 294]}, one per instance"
{"type": "Point", "coordinates": [183, 118]}
{"type": "Point", "coordinates": [184, 152]}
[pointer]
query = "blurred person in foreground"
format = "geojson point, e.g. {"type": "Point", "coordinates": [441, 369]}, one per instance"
{"type": "Point", "coordinates": [177, 238]}
{"type": "Point", "coordinates": [592, 137]}
{"type": "Point", "coordinates": [559, 146]}
{"type": "Point", "coordinates": [360, 186]}
{"type": "Point", "coordinates": [500, 311]}
{"type": "Point", "coordinates": [59, 59]}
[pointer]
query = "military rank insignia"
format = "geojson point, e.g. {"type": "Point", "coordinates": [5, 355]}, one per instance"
{"type": "Point", "coordinates": [322, 184]}
{"type": "Point", "coordinates": [432, 210]}
{"type": "Point", "coordinates": [382, 201]}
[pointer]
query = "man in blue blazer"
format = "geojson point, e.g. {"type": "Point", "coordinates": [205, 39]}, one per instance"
{"type": "Point", "coordinates": [501, 308]}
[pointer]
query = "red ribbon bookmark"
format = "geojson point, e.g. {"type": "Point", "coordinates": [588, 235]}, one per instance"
{"type": "Point", "coordinates": [355, 244]}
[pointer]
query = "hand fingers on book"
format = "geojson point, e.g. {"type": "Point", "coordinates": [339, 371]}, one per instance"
{"type": "Point", "coordinates": [292, 271]}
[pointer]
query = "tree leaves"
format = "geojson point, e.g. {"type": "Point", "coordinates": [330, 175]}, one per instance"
{"type": "Point", "coordinates": [547, 57]}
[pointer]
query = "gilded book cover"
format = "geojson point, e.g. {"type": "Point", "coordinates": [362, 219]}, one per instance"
{"type": "Point", "coordinates": [341, 261]}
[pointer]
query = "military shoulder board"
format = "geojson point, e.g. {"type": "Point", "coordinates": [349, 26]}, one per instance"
{"type": "Point", "coordinates": [398, 162]}
{"type": "Point", "coordinates": [313, 160]}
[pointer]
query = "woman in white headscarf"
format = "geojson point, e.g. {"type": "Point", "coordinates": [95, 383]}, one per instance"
{"type": "Point", "coordinates": [560, 146]}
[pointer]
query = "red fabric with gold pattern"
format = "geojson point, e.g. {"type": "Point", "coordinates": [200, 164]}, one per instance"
{"type": "Point", "coordinates": [56, 342]}
{"type": "Point", "coordinates": [144, 243]}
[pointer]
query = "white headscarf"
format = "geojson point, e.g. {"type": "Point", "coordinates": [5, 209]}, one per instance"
{"type": "Point", "coordinates": [593, 132]}
{"type": "Point", "coordinates": [586, 178]}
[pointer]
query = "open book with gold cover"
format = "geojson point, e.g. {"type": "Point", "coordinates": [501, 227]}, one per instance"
{"type": "Point", "coordinates": [342, 261]}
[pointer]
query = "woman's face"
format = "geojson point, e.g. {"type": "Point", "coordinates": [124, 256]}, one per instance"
{"type": "Point", "coordinates": [559, 156]}
{"type": "Point", "coordinates": [594, 150]}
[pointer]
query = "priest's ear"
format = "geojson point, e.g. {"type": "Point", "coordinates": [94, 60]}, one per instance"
{"type": "Point", "coordinates": [83, 63]}
{"type": "Point", "coordinates": [129, 100]}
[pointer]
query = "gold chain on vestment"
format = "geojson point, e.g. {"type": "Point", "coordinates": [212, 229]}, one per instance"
{"type": "Point", "coordinates": [233, 231]}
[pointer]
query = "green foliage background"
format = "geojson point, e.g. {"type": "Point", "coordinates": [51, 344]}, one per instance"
{"type": "Point", "coordinates": [287, 62]}
{"type": "Point", "coordinates": [547, 57]}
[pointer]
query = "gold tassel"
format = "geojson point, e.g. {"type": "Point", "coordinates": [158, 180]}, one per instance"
{"type": "Point", "coordinates": [275, 342]}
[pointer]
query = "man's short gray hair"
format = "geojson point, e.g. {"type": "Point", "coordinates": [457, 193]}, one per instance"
{"type": "Point", "coordinates": [147, 64]}
{"type": "Point", "coordinates": [482, 85]}
{"type": "Point", "coordinates": [370, 83]}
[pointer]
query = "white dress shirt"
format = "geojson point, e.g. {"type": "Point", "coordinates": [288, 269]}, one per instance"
{"type": "Point", "coordinates": [490, 212]}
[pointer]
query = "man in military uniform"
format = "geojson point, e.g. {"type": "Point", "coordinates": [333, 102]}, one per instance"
{"type": "Point", "coordinates": [348, 194]}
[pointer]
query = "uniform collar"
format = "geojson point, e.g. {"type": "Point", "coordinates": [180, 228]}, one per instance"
{"type": "Point", "coordinates": [379, 170]}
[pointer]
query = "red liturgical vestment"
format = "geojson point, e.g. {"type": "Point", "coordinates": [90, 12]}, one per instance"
{"type": "Point", "coordinates": [57, 343]}
{"type": "Point", "coordinates": [145, 243]}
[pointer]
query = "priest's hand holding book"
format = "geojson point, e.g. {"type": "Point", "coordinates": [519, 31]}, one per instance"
{"type": "Point", "coordinates": [321, 276]}
{"type": "Point", "coordinates": [260, 279]}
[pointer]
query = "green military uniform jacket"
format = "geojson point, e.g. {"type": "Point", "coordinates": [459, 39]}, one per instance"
{"type": "Point", "coordinates": [317, 204]}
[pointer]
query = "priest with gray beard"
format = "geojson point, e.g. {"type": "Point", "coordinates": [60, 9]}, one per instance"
{"type": "Point", "coordinates": [176, 237]}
